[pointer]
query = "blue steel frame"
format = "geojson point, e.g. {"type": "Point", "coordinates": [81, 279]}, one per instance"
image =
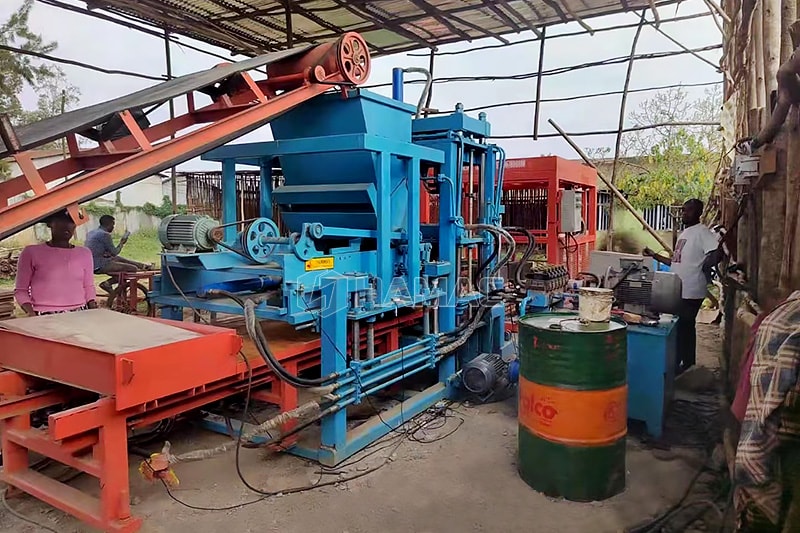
{"type": "Point", "coordinates": [462, 139]}
{"type": "Point", "coordinates": [333, 298]}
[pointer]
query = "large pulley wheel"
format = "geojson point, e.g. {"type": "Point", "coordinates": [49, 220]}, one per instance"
{"type": "Point", "coordinates": [353, 58]}
{"type": "Point", "coordinates": [255, 239]}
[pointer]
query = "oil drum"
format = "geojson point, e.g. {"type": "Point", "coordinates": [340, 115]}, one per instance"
{"type": "Point", "coordinates": [572, 406]}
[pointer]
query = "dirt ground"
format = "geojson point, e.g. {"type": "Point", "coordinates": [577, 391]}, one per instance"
{"type": "Point", "coordinates": [464, 482]}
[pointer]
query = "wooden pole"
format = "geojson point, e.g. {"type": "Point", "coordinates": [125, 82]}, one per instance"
{"type": "Point", "coordinates": [173, 176]}
{"type": "Point", "coordinates": [788, 16]}
{"type": "Point", "coordinates": [621, 125]}
{"type": "Point", "coordinates": [717, 9]}
{"type": "Point", "coordinates": [758, 52]}
{"type": "Point", "coordinates": [790, 266]}
{"type": "Point", "coordinates": [612, 188]}
{"type": "Point", "coordinates": [537, 109]}
{"type": "Point", "coordinates": [771, 10]}
{"type": "Point", "coordinates": [431, 64]}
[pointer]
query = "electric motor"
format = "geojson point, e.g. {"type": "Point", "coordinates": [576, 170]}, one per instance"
{"type": "Point", "coordinates": [187, 233]}
{"type": "Point", "coordinates": [642, 290]}
{"type": "Point", "coordinates": [488, 376]}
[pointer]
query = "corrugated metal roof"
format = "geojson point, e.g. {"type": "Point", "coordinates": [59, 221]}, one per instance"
{"type": "Point", "coordinates": [253, 27]}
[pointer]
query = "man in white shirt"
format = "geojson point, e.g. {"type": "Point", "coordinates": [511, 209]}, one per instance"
{"type": "Point", "coordinates": [696, 253]}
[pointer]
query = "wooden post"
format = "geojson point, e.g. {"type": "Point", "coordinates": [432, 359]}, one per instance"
{"type": "Point", "coordinates": [788, 16]}
{"type": "Point", "coordinates": [790, 266]}
{"type": "Point", "coordinates": [624, 201]}
{"type": "Point", "coordinates": [757, 52]}
{"type": "Point", "coordinates": [538, 108]}
{"type": "Point", "coordinates": [771, 198]}
{"type": "Point", "coordinates": [772, 46]}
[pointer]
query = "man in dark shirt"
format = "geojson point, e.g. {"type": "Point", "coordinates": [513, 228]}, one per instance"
{"type": "Point", "coordinates": [105, 255]}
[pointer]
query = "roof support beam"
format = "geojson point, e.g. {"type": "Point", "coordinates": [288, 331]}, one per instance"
{"type": "Point", "coordinates": [288, 10]}
{"type": "Point", "coordinates": [522, 19]}
{"type": "Point", "coordinates": [557, 9]}
{"type": "Point", "coordinates": [178, 21]}
{"type": "Point", "coordinates": [681, 45]}
{"type": "Point", "coordinates": [291, 38]}
{"type": "Point", "coordinates": [533, 8]}
{"type": "Point", "coordinates": [578, 19]}
{"type": "Point", "coordinates": [505, 18]}
{"type": "Point", "coordinates": [440, 17]}
{"type": "Point", "coordinates": [390, 25]}
{"type": "Point", "coordinates": [475, 27]}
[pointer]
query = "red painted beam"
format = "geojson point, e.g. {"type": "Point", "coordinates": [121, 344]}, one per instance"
{"type": "Point", "coordinates": [249, 106]}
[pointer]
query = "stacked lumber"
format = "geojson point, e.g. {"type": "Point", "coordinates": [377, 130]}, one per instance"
{"type": "Point", "coordinates": [6, 304]}
{"type": "Point", "coordinates": [8, 264]}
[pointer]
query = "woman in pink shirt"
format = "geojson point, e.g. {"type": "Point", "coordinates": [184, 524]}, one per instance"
{"type": "Point", "coordinates": [56, 276]}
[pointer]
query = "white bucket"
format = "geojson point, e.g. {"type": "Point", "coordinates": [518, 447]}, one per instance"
{"type": "Point", "coordinates": [594, 304]}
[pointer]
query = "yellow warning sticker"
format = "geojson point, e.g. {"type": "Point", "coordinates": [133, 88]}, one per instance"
{"type": "Point", "coordinates": [319, 263]}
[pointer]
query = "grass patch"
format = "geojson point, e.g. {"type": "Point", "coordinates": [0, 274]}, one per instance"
{"type": "Point", "coordinates": [142, 246]}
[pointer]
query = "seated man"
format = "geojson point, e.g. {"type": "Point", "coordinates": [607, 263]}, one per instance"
{"type": "Point", "coordinates": [56, 276]}
{"type": "Point", "coordinates": [106, 256]}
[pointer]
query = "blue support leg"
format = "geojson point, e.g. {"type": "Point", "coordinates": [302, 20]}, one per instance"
{"type": "Point", "coordinates": [172, 313]}
{"type": "Point", "coordinates": [229, 197]}
{"type": "Point", "coordinates": [448, 284]}
{"type": "Point", "coordinates": [334, 357]}
{"type": "Point", "coordinates": [265, 207]}
{"type": "Point", "coordinates": [384, 212]}
{"type": "Point", "coordinates": [413, 179]}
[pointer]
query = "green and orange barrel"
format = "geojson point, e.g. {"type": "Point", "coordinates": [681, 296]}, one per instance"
{"type": "Point", "coordinates": [572, 406]}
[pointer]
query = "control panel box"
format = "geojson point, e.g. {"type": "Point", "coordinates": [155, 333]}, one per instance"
{"type": "Point", "coordinates": [571, 211]}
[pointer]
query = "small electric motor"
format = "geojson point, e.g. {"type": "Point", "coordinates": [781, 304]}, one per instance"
{"type": "Point", "coordinates": [187, 233]}
{"type": "Point", "coordinates": [488, 377]}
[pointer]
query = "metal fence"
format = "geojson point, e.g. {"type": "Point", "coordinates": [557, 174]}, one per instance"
{"type": "Point", "coordinates": [658, 217]}
{"type": "Point", "coordinates": [204, 195]}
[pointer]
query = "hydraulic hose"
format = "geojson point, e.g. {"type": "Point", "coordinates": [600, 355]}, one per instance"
{"type": "Point", "coordinates": [528, 252]}
{"type": "Point", "coordinates": [256, 334]}
{"type": "Point", "coordinates": [495, 252]}
{"type": "Point", "coordinates": [428, 82]}
{"type": "Point", "coordinates": [499, 233]}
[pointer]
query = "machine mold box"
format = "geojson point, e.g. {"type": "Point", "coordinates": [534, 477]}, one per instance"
{"type": "Point", "coordinates": [134, 359]}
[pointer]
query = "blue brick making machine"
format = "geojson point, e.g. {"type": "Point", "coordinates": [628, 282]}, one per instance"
{"type": "Point", "coordinates": [356, 255]}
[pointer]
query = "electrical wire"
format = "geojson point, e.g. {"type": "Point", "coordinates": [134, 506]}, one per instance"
{"type": "Point", "coordinates": [79, 64]}
{"type": "Point", "coordinates": [550, 37]}
{"type": "Point", "coordinates": [257, 335]}
{"type": "Point", "coordinates": [358, 378]}
{"type": "Point", "coordinates": [20, 516]}
{"type": "Point", "coordinates": [183, 295]}
{"type": "Point", "coordinates": [560, 70]}
{"type": "Point", "coordinates": [512, 103]}
{"type": "Point", "coordinates": [651, 525]}
{"type": "Point", "coordinates": [531, 248]}
{"type": "Point", "coordinates": [395, 440]}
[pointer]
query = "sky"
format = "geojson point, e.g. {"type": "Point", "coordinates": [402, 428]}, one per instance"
{"type": "Point", "coordinates": [112, 46]}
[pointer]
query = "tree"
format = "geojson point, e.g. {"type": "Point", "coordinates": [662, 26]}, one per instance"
{"type": "Point", "coordinates": [669, 164]}
{"type": "Point", "coordinates": [17, 70]}
{"type": "Point", "coordinates": [55, 96]}
{"type": "Point", "coordinates": [55, 93]}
